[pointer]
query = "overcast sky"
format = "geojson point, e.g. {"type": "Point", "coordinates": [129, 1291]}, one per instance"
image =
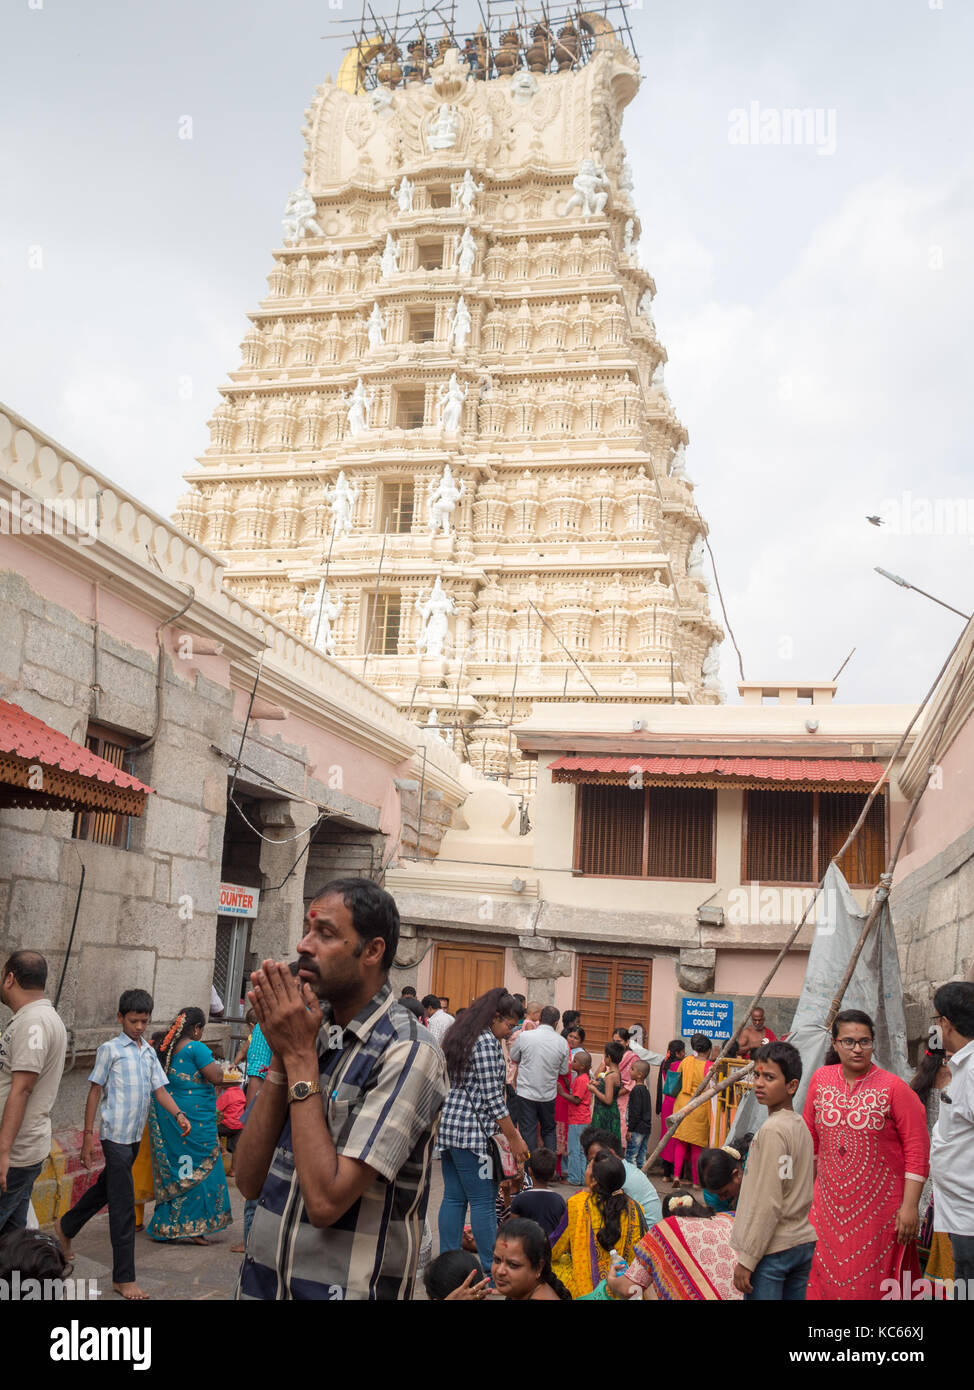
{"type": "Point", "coordinates": [816, 299]}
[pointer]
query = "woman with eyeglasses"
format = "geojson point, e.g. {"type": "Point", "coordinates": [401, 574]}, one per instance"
{"type": "Point", "coordinates": [872, 1156]}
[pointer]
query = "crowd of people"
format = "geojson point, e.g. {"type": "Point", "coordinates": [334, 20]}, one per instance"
{"type": "Point", "coordinates": [352, 1095]}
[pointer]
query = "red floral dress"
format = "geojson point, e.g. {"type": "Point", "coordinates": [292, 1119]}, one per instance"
{"type": "Point", "coordinates": [869, 1136]}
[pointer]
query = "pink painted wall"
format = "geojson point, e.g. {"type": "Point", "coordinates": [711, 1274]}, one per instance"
{"type": "Point", "coordinates": [363, 776]}
{"type": "Point", "coordinates": [741, 972]}
{"type": "Point", "coordinates": [661, 1007]}
{"type": "Point", "coordinates": [944, 813]}
{"type": "Point", "coordinates": [59, 585]}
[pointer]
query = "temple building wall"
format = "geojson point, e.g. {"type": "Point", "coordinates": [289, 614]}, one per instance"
{"type": "Point", "coordinates": [79, 620]}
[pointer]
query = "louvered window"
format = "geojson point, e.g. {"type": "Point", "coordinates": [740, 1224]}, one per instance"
{"type": "Point", "coordinates": [649, 832]}
{"type": "Point", "coordinates": [681, 832]}
{"type": "Point", "coordinates": [778, 843]}
{"type": "Point", "coordinates": [865, 860]}
{"type": "Point", "coordinates": [789, 837]}
{"type": "Point", "coordinates": [610, 831]}
{"type": "Point", "coordinates": [104, 827]}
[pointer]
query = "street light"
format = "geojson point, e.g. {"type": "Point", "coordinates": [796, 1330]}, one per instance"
{"type": "Point", "coordinates": [904, 584]}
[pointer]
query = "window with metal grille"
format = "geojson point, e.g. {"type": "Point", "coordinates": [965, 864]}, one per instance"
{"type": "Point", "coordinates": [382, 618]}
{"type": "Point", "coordinates": [649, 832]}
{"type": "Point", "coordinates": [429, 255]}
{"type": "Point", "coordinates": [397, 507]}
{"type": "Point", "coordinates": [411, 410]}
{"type": "Point", "coordinates": [789, 837]}
{"type": "Point", "coordinates": [104, 827]}
{"type": "Point", "coordinates": [612, 994]}
{"type": "Point", "coordinates": [422, 326]}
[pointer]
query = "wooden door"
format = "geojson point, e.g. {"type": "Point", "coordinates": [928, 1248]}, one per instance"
{"type": "Point", "coordinates": [462, 973]}
{"type": "Point", "coordinates": [612, 994]}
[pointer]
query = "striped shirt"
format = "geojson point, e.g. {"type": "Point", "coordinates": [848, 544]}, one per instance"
{"type": "Point", "coordinates": [382, 1090]}
{"type": "Point", "coordinates": [129, 1074]}
{"type": "Point", "coordinates": [469, 1119]}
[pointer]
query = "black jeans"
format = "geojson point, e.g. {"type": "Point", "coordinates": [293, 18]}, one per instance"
{"type": "Point", "coordinates": [963, 1248]}
{"type": "Point", "coordinates": [533, 1114]}
{"type": "Point", "coordinates": [114, 1186]}
{"type": "Point", "coordinates": [15, 1202]}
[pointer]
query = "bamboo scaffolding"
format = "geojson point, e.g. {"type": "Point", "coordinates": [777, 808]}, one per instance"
{"type": "Point", "coordinates": [704, 1091]}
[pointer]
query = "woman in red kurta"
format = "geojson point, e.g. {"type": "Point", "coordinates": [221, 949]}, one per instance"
{"type": "Point", "coordinates": [871, 1146]}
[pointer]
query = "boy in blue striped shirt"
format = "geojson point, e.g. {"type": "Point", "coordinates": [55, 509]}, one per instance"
{"type": "Point", "coordinates": [126, 1075]}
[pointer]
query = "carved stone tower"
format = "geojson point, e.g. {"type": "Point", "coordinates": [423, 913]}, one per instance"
{"type": "Point", "coordinates": [448, 457]}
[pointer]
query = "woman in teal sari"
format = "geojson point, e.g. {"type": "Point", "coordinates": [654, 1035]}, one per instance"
{"type": "Point", "coordinates": [191, 1187]}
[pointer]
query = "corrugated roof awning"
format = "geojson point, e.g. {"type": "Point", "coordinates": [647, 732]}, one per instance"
{"type": "Point", "coordinates": [800, 774]}
{"type": "Point", "coordinates": [42, 769]}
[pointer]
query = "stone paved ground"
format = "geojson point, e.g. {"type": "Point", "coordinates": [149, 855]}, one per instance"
{"type": "Point", "coordinates": [173, 1271]}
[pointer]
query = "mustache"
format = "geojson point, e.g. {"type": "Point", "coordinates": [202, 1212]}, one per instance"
{"type": "Point", "coordinates": [302, 963]}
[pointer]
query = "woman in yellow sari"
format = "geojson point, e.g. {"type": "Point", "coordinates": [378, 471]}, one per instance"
{"type": "Point", "coordinates": [692, 1135]}
{"type": "Point", "coordinates": [595, 1223]}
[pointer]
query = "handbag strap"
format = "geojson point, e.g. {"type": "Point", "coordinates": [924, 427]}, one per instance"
{"type": "Point", "coordinates": [476, 1112]}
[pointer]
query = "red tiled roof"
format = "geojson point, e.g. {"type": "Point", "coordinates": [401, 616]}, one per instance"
{"type": "Point", "coordinates": [795, 770]}
{"type": "Point", "coordinates": [23, 735]}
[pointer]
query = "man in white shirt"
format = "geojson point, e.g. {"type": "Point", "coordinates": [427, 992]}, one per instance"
{"type": "Point", "coordinates": [952, 1142]}
{"type": "Point", "coordinates": [437, 1018]}
{"type": "Point", "coordinates": [542, 1056]}
{"type": "Point", "coordinates": [32, 1052]}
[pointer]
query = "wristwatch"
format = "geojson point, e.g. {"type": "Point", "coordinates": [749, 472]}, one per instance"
{"type": "Point", "coordinates": [301, 1090]}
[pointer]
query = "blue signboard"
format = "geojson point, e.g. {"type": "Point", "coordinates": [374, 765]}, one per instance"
{"type": "Point", "coordinates": [700, 1014]}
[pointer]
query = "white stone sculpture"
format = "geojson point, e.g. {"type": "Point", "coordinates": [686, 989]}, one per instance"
{"type": "Point", "coordinates": [443, 128]}
{"type": "Point", "coordinates": [465, 192]}
{"type": "Point", "coordinates": [376, 324]}
{"type": "Point", "coordinates": [323, 612]}
{"type": "Point", "coordinates": [404, 195]}
{"type": "Point", "coordinates": [435, 612]}
{"type": "Point", "coordinates": [524, 84]}
{"type": "Point", "coordinates": [678, 467]}
{"type": "Point", "coordinates": [381, 99]}
{"type": "Point", "coordinates": [627, 245]}
{"type": "Point", "coordinates": [444, 497]}
{"type": "Point", "coordinates": [433, 726]}
{"type": "Point", "coordinates": [341, 496]}
{"type": "Point", "coordinates": [460, 324]}
{"type": "Point", "coordinates": [450, 399]}
{"type": "Point", "coordinates": [466, 252]}
{"type": "Point", "coordinates": [389, 260]}
{"type": "Point", "coordinates": [359, 408]}
{"type": "Point", "coordinates": [299, 216]}
{"type": "Point", "coordinates": [626, 183]}
{"type": "Point", "coordinates": [591, 191]}
{"type": "Point", "coordinates": [711, 670]}
{"type": "Point", "coordinates": [645, 306]}
{"type": "Point", "coordinates": [695, 559]}
{"type": "Point", "coordinates": [656, 381]}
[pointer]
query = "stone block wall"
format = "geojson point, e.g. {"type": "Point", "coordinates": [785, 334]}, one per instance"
{"type": "Point", "coordinates": [146, 913]}
{"type": "Point", "coordinates": [933, 916]}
